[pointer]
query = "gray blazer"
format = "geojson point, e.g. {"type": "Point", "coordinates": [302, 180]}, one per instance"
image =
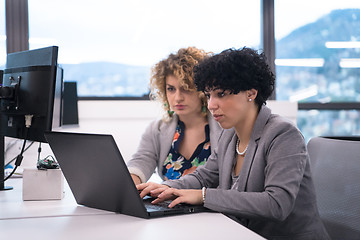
{"type": "Point", "coordinates": [274, 194]}
{"type": "Point", "coordinates": [155, 145]}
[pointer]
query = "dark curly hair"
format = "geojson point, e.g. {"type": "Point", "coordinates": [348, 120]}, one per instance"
{"type": "Point", "coordinates": [236, 71]}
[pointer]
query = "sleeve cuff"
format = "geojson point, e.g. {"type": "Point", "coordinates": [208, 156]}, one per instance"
{"type": "Point", "coordinates": [138, 173]}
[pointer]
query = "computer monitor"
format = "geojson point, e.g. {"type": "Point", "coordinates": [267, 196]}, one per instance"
{"type": "Point", "coordinates": [70, 114]}
{"type": "Point", "coordinates": [31, 88]}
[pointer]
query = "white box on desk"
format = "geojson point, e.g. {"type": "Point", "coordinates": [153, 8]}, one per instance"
{"type": "Point", "coordinates": [43, 184]}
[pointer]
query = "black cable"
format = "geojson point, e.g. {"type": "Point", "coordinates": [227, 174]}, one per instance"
{"type": "Point", "coordinates": [12, 160]}
{"type": "Point", "coordinates": [13, 171]}
{"type": "Point", "coordinates": [39, 151]}
{"type": "Point", "coordinates": [28, 120]}
{"type": "Point", "coordinates": [18, 158]}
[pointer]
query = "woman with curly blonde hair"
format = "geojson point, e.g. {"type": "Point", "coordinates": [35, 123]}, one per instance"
{"type": "Point", "coordinates": [180, 142]}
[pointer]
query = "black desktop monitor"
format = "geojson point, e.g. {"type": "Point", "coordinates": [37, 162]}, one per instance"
{"type": "Point", "coordinates": [31, 86]}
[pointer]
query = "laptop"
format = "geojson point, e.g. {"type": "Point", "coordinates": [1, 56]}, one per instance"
{"type": "Point", "coordinates": [98, 176]}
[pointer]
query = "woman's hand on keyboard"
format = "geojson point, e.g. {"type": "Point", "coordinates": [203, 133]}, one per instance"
{"type": "Point", "coordinates": [189, 196]}
{"type": "Point", "coordinates": [149, 189]}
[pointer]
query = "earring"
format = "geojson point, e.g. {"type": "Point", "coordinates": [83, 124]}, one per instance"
{"type": "Point", "coordinates": [203, 109]}
{"type": "Point", "coordinates": [250, 99]}
{"type": "Point", "coordinates": [169, 112]}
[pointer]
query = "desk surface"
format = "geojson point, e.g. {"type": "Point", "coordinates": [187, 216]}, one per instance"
{"type": "Point", "coordinates": [12, 206]}
{"type": "Point", "coordinates": [64, 219]}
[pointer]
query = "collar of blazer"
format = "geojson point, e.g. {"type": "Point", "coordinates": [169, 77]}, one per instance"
{"type": "Point", "coordinates": [259, 125]}
{"type": "Point", "coordinates": [261, 120]}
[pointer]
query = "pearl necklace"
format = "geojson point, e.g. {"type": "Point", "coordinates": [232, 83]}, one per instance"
{"type": "Point", "coordinates": [237, 148]}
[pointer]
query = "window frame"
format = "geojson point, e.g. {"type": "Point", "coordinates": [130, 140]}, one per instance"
{"type": "Point", "coordinates": [17, 31]}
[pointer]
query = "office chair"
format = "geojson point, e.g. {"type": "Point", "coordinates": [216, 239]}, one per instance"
{"type": "Point", "coordinates": [335, 165]}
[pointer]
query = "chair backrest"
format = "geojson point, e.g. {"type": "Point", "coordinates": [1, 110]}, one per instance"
{"type": "Point", "coordinates": [335, 165]}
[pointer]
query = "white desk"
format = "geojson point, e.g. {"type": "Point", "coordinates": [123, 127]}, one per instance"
{"type": "Point", "coordinates": [64, 219]}
{"type": "Point", "coordinates": [12, 206]}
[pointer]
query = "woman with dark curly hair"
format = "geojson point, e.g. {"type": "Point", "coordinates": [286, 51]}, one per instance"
{"type": "Point", "coordinates": [259, 175]}
{"type": "Point", "coordinates": [180, 142]}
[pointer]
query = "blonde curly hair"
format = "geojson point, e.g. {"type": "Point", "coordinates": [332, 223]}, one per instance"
{"type": "Point", "coordinates": [181, 66]}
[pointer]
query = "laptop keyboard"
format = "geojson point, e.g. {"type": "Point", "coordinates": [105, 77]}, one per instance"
{"type": "Point", "coordinates": [159, 206]}
{"type": "Point", "coordinates": [155, 207]}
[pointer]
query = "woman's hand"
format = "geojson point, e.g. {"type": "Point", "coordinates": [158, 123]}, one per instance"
{"type": "Point", "coordinates": [190, 196]}
{"type": "Point", "coordinates": [136, 179]}
{"type": "Point", "coordinates": [150, 188]}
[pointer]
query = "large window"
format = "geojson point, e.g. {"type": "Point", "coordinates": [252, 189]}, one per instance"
{"type": "Point", "coordinates": [2, 35]}
{"type": "Point", "coordinates": [109, 46]}
{"type": "Point", "coordinates": [318, 61]}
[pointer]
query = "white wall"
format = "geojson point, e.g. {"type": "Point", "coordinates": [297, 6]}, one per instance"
{"type": "Point", "coordinates": [125, 120]}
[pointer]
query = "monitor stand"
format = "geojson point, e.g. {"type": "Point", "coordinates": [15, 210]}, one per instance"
{"type": "Point", "coordinates": [2, 164]}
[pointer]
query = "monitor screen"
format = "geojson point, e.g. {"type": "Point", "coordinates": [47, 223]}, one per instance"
{"type": "Point", "coordinates": [32, 87]}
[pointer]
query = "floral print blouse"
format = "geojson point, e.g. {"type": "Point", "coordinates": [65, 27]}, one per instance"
{"type": "Point", "coordinates": [175, 164]}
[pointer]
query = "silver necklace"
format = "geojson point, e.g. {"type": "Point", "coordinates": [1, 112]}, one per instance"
{"type": "Point", "coordinates": [237, 148]}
